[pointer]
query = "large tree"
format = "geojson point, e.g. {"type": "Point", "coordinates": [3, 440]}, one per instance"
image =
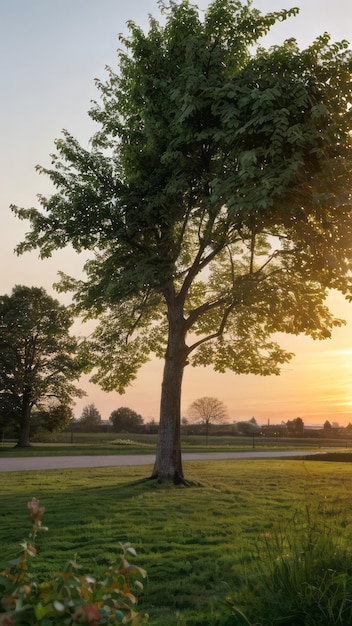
{"type": "Point", "coordinates": [37, 362]}
{"type": "Point", "coordinates": [214, 198]}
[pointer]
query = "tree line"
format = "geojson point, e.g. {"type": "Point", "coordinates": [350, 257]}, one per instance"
{"type": "Point", "coordinates": [39, 362]}
{"type": "Point", "coordinates": [202, 420]}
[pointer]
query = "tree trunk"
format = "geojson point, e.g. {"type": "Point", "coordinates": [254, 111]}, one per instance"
{"type": "Point", "coordinates": [168, 461]}
{"type": "Point", "coordinates": [24, 431]}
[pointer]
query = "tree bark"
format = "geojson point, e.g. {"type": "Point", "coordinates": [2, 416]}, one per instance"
{"type": "Point", "coordinates": [24, 430]}
{"type": "Point", "coordinates": [168, 461]}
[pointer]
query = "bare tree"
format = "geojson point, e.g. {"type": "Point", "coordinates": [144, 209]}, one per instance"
{"type": "Point", "coordinates": [208, 411]}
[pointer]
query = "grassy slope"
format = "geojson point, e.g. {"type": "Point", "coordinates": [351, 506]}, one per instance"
{"type": "Point", "coordinates": [196, 543]}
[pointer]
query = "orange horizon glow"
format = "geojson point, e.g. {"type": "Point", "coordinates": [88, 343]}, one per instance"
{"type": "Point", "coordinates": [316, 385]}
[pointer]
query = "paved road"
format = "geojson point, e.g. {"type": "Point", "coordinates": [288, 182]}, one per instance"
{"type": "Point", "coordinates": [63, 462]}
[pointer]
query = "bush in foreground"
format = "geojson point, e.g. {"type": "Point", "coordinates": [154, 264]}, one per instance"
{"type": "Point", "coordinates": [67, 598]}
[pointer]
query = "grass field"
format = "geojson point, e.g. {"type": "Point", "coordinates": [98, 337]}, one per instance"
{"type": "Point", "coordinates": [125, 443]}
{"type": "Point", "coordinates": [200, 545]}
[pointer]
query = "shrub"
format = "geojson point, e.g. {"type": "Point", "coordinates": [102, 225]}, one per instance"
{"type": "Point", "coordinates": [67, 598]}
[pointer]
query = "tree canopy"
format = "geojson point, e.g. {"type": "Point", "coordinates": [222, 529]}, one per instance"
{"type": "Point", "coordinates": [247, 427]}
{"type": "Point", "coordinates": [53, 418]}
{"type": "Point", "coordinates": [215, 198]}
{"type": "Point", "coordinates": [126, 419]}
{"type": "Point", "coordinates": [295, 426]}
{"type": "Point", "coordinates": [90, 417]}
{"type": "Point", "coordinates": [37, 360]}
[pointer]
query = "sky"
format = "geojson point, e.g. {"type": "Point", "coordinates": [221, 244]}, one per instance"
{"type": "Point", "coordinates": [50, 53]}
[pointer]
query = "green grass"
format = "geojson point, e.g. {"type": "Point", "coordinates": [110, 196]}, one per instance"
{"type": "Point", "coordinates": [198, 544]}
{"type": "Point", "coordinates": [44, 450]}
{"type": "Point", "coordinates": [125, 443]}
{"type": "Point", "coordinates": [306, 577]}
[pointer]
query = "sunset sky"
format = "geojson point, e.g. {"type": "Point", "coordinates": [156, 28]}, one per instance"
{"type": "Point", "coordinates": [50, 53]}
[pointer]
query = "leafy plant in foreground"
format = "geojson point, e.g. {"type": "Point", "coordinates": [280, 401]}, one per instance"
{"type": "Point", "coordinates": [67, 598]}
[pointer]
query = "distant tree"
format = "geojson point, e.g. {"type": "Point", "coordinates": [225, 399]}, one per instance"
{"type": "Point", "coordinates": [125, 419]}
{"type": "Point", "coordinates": [208, 411]}
{"type": "Point", "coordinates": [37, 358]}
{"type": "Point", "coordinates": [185, 425]}
{"type": "Point", "coordinates": [90, 418]}
{"type": "Point", "coordinates": [247, 427]}
{"type": "Point", "coordinates": [327, 428]}
{"type": "Point", "coordinates": [295, 427]}
{"type": "Point", "coordinates": [51, 419]}
{"type": "Point", "coordinates": [151, 427]}
{"type": "Point", "coordinates": [214, 201]}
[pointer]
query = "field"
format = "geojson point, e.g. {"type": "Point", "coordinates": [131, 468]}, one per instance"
{"type": "Point", "coordinates": [204, 547]}
{"type": "Point", "coordinates": [67, 444]}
